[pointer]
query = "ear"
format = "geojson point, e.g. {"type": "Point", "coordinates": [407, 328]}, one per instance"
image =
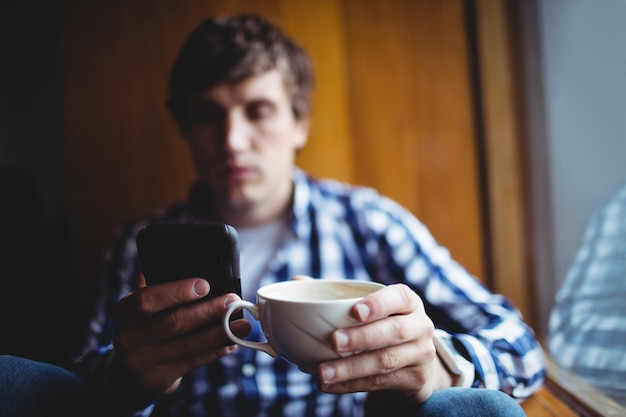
{"type": "Point", "coordinates": [302, 133]}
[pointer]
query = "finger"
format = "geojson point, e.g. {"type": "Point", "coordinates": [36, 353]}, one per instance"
{"type": "Point", "coordinates": [184, 318]}
{"type": "Point", "coordinates": [194, 350]}
{"type": "Point", "coordinates": [152, 299]}
{"type": "Point", "coordinates": [159, 378]}
{"type": "Point", "coordinates": [413, 385]}
{"type": "Point", "coordinates": [402, 367]}
{"type": "Point", "coordinates": [198, 342]}
{"type": "Point", "coordinates": [141, 280]}
{"type": "Point", "coordinates": [144, 354]}
{"type": "Point", "coordinates": [389, 331]}
{"type": "Point", "coordinates": [392, 299]}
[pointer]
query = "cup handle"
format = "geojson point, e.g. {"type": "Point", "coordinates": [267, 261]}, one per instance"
{"type": "Point", "coordinates": [254, 309]}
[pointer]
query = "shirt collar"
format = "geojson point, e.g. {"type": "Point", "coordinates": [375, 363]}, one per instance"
{"type": "Point", "coordinates": [301, 209]}
{"type": "Point", "coordinates": [200, 202]}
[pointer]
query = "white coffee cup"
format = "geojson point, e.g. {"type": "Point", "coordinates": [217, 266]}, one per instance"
{"type": "Point", "coordinates": [299, 316]}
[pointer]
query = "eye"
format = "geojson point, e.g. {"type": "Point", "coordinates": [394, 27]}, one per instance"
{"type": "Point", "coordinates": [258, 110]}
{"type": "Point", "coordinates": [206, 113]}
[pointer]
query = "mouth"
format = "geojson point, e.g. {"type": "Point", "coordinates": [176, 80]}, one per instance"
{"type": "Point", "coordinates": [234, 173]}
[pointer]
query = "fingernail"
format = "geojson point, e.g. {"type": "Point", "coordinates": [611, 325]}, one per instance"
{"type": "Point", "coordinates": [363, 311]}
{"type": "Point", "coordinates": [200, 288]}
{"type": "Point", "coordinates": [328, 374]}
{"type": "Point", "coordinates": [341, 338]}
{"type": "Point", "coordinates": [229, 300]}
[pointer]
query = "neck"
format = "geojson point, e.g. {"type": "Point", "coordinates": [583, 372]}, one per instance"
{"type": "Point", "coordinates": [257, 213]}
{"type": "Point", "coordinates": [243, 217]}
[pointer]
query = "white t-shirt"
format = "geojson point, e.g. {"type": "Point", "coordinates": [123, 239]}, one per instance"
{"type": "Point", "coordinates": [257, 246]}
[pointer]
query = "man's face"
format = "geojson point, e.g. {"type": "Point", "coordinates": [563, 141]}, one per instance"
{"type": "Point", "coordinates": [243, 138]}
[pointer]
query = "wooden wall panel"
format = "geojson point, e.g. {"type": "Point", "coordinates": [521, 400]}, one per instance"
{"type": "Point", "coordinates": [504, 155]}
{"type": "Point", "coordinates": [319, 27]}
{"type": "Point", "coordinates": [413, 118]}
{"type": "Point", "coordinates": [392, 109]}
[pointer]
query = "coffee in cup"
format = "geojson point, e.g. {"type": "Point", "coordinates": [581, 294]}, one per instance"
{"type": "Point", "coordinates": [299, 316]}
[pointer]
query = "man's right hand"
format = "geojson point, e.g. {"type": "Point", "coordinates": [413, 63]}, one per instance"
{"type": "Point", "coordinates": [162, 332]}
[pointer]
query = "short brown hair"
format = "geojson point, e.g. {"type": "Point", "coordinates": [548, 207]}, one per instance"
{"type": "Point", "coordinates": [231, 49]}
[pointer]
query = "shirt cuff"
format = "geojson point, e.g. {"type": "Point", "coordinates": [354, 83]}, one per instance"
{"type": "Point", "coordinates": [453, 359]}
{"type": "Point", "coordinates": [481, 357]}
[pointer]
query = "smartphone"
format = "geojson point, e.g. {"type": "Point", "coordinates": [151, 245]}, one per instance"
{"type": "Point", "coordinates": [169, 252]}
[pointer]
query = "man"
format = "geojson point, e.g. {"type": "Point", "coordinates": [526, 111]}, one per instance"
{"type": "Point", "coordinates": [239, 91]}
{"type": "Point", "coordinates": [587, 332]}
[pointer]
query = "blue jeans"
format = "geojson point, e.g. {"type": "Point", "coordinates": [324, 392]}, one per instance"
{"type": "Point", "coordinates": [29, 388]}
{"type": "Point", "coordinates": [448, 402]}
{"type": "Point", "coordinates": [470, 402]}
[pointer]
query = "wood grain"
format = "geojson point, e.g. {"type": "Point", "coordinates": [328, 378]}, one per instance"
{"type": "Point", "coordinates": [503, 146]}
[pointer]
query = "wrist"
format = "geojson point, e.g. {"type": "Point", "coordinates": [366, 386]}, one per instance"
{"type": "Point", "coordinates": [124, 388]}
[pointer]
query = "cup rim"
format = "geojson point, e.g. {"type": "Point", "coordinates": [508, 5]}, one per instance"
{"type": "Point", "coordinates": [261, 291]}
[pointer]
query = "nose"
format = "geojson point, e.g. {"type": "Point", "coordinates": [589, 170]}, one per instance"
{"type": "Point", "coordinates": [236, 132]}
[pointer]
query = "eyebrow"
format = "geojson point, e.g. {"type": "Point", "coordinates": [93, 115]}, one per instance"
{"type": "Point", "coordinates": [207, 102]}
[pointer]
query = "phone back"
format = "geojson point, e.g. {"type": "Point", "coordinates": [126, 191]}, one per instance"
{"type": "Point", "coordinates": [169, 252]}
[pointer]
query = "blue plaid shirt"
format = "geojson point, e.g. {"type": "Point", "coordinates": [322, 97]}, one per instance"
{"type": "Point", "coordinates": [338, 231]}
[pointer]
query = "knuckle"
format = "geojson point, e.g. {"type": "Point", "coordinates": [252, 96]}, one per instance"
{"type": "Point", "coordinates": [350, 368]}
{"type": "Point", "coordinates": [419, 378]}
{"type": "Point", "coordinates": [376, 381]}
{"type": "Point", "coordinates": [367, 335]}
{"type": "Point", "coordinates": [143, 304]}
{"type": "Point", "coordinates": [430, 325]}
{"type": "Point", "coordinates": [183, 347]}
{"type": "Point", "coordinates": [172, 325]}
{"type": "Point", "coordinates": [202, 359]}
{"type": "Point", "coordinates": [195, 362]}
{"type": "Point", "coordinates": [410, 297]}
{"type": "Point", "coordinates": [388, 360]}
{"type": "Point", "coordinates": [401, 329]}
{"type": "Point", "coordinates": [431, 352]}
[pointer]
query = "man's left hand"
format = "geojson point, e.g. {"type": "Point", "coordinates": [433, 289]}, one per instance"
{"type": "Point", "coordinates": [395, 345]}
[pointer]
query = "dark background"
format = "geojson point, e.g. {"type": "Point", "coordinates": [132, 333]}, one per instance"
{"type": "Point", "coordinates": [37, 309]}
